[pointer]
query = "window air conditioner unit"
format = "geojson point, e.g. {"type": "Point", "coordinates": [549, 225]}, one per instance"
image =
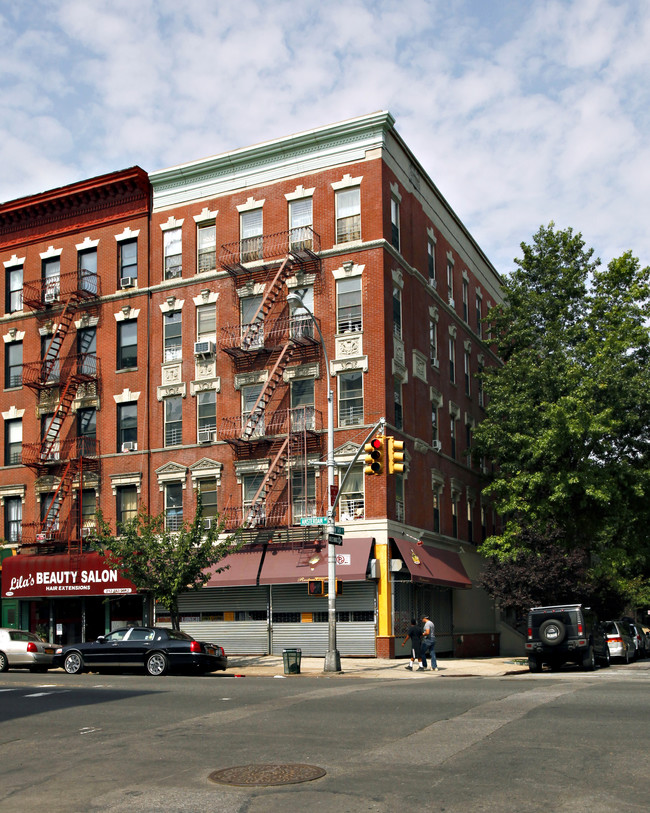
{"type": "Point", "coordinates": [50, 296]}
{"type": "Point", "coordinates": [128, 282]}
{"type": "Point", "coordinates": [437, 445]}
{"type": "Point", "coordinates": [435, 362]}
{"type": "Point", "coordinates": [206, 435]}
{"type": "Point", "coordinates": [203, 348]}
{"type": "Point", "coordinates": [450, 299]}
{"type": "Point", "coordinates": [207, 523]}
{"type": "Point", "coordinates": [129, 446]}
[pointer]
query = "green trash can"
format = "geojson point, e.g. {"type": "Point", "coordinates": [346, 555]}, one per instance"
{"type": "Point", "coordinates": [291, 658]}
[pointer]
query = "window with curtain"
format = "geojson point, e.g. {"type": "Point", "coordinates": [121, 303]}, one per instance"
{"type": "Point", "coordinates": [206, 242]}
{"type": "Point", "coordinates": [303, 494]}
{"type": "Point", "coordinates": [127, 505]}
{"type": "Point", "coordinates": [348, 215]}
{"type": "Point", "coordinates": [173, 253]}
{"type": "Point", "coordinates": [13, 519]}
{"type": "Point", "coordinates": [206, 322]}
{"type": "Point", "coordinates": [251, 240]}
{"type": "Point", "coordinates": [13, 441]}
{"type": "Point", "coordinates": [300, 224]}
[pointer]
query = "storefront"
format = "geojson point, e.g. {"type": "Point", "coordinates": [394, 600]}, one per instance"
{"type": "Point", "coordinates": [260, 602]}
{"type": "Point", "coordinates": [68, 599]}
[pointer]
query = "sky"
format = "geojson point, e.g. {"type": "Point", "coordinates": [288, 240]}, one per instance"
{"type": "Point", "coordinates": [522, 112]}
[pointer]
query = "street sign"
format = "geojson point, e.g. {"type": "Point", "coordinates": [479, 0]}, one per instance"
{"type": "Point", "coordinates": [313, 520]}
{"type": "Point", "coordinates": [334, 539]}
{"type": "Point", "coordinates": [338, 530]}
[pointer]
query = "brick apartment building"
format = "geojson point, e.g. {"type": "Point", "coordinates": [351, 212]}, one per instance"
{"type": "Point", "coordinates": [150, 352]}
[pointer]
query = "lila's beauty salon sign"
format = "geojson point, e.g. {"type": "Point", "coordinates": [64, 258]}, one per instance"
{"type": "Point", "coordinates": [52, 576]}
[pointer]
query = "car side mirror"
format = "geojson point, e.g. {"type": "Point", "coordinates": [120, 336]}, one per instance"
{"type": "Point", "coordinates": [101, 639]}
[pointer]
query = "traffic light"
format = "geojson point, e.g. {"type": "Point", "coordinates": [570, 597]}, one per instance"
{"type": "Point", "coordinates": [316, 587]}
{"type": "Point", "coordinates": [374, 458]}
{"type": "Point", "coordinates": [395, 456]}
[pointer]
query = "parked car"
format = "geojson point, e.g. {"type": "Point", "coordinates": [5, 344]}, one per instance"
{"type": "Point", "coordinates": [155, 649]}
{"type": "Point", "coordinates": [20, 649]}
{"type": "Point", "coordinates": [619, 640]}
{"type": "Point", "coordinates": [565, 633]}
{"type": "Point", "coordinates": [638, 639]}
{"type": "Point", "coordinates": [645, 634]}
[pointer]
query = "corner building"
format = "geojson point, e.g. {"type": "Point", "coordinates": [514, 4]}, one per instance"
{"type": "Point", "coordinates": [221, 382]}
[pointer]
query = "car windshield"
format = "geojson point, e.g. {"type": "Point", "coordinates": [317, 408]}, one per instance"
{"type": "Point", "coordinates": [610, 628]}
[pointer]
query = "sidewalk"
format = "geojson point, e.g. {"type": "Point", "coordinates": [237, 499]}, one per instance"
{"type": "Point", "coordinates": [272, 666]}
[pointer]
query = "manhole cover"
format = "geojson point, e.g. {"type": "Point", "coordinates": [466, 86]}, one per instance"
{"type": "Point", "coordinates": [267, 774]}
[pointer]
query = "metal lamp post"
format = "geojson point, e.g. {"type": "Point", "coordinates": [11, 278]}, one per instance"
{"type": "Point", "coordinates": [332, 657]}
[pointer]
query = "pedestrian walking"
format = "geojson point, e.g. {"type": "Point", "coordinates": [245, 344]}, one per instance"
{"type": "Point", "coordinates": [429, 644]}
{"type": "Point", "coordinates": [414, 635]}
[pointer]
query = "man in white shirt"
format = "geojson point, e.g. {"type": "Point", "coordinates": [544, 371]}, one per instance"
{"type": "Point", "coordinates": [429, 644]}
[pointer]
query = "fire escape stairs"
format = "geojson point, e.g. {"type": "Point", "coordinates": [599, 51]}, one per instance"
{"type": "Point", "coordinates": [53, 351]}
{"type": "Point", "coordinates": [51, 520]}
{"type": "Point", "coordinates": [275, 288]}
{"type": "Point", "coordinates": [256, 510]}
{"type": "Point", "coordinates": [275, 377]}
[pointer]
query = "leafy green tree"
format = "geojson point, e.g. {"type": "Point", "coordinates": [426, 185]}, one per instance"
{"type": "Point", "coordinates": [165, 563]}
{"type": "Point", "coordinates": [568, 415]}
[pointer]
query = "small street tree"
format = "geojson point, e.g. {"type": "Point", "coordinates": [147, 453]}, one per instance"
{"type": "Point", "coordinates": [568, 414]}
{"type": "Point", "coordinates": [165, 563]}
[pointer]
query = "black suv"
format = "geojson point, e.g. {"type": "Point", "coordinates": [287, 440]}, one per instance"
{"type": "Point", "coordinates": [565, 633]}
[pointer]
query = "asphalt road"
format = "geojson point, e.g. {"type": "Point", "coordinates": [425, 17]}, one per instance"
{"type": "Point", "coordinates": [568, 741]}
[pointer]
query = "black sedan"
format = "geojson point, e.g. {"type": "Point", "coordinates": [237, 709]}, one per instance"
{"type": "Point", "coordinates": [156, 649]}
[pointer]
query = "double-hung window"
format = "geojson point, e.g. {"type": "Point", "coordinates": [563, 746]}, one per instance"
{"type": "Point", "coordinates": [251, 240]}
{"type": "Point", "coordinates": [450, 282]}
{"type": "Point", "coordinates": [397, 311]}
{"type": "Point", "coordinates": [468, 372]}
{"type": "Point", "coordinates": [431, 262]}
{"type": "Point", "coordinates": [252, 422]}
{"type": "Point", "coordinates": [127, 505]}
{"type": "Point", "coordinates": [173, 506]}
{"type": "Point", "coordinates": [207, 488]}
{"type": "Point", "coordinates": [13, 519]}
{"type": "Point", "coordinates": [87, 350]}
{"type": "Point", "coordinates": [13, 441]}
{"type": "Point", "coordinates": [13, 364]}
{"type": "Point", "coordinates": [206, 323]}
{"type": "Point", "coordinates": [350, 398]}
{"type": "Point", "coordinates": [302, 325]}
{"type": "Point", "coordinates": [252, 322]}
{"type": "Point", "coordinates": [127, 425]}
{"type": "Point", "coordinates": [172, 325]}
{"type": "Point", "coordinates": [348, 215]}
{"type": "Point", "coordinates": [206, 402]}
{"type": "Point", "coordinates": [14, 289]}
{"type": "Point", "coordinates": [302, 404]}
{"type": "Point", "coordinates": [51, 276]}
{"type": "Point", "coordinates": [173, 253]}
{"type": "Point", "coordinates": [348, 305]}
{"type": "Point", "coordinates": [300, 224]}
{"type": "Point", "coordinates": [394, 222]}
{"type": "Point", "coordinates": [128, 260]}
{"type": "Point", "coordinates": [206, 242]}
{"type": "Point", "coordinates": [452, 360]}
{"type": "Point", "coordinates": [174, 420]}
{"type": "Point", "coordinates": [466, 301]}
{"type": "Point", "coordinates": [127, 344]}
{"type": "Point", "coordinates": [399, 417]}
{"type": "Point", "coordinates": [479, 322]}
{"type": "Point", "coordinates": [433, 342]}
{"type": "Point", "coordinates": [87, 431]}
{"type": "Point", "coordinates": [352, 500]}
{"type": "Point", "coordinates": [87, 270]}
{"type": "Point", "coordinates": [256, 512]}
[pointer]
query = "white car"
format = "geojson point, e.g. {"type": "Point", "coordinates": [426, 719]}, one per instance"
{"type": "Point", "coordinates": [24, 650]}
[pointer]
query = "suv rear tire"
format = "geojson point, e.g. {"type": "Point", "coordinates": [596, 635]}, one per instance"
{"type": "Point", "coordinates": [589, 660]}
{"type": "Point", "coordinates": [534, 664]}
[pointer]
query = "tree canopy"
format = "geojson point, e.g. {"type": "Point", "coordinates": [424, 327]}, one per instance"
{"type": "Point", "coordinates": [568, 413]}
{"type": "Point", "coordinates": [164, 562]}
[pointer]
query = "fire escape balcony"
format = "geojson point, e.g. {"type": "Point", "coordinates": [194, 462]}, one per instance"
{"type": "Point", "coordinates": [243, 257]}
{"type": "Point", "coordinates": [244, 341]}
{"type": "Point", "coordinates": [237, 430]}
{"type": "Point", "coordinates": [80, 286]}
{"type": "Point", "coordinates": [47, 457]}
{"type": "Point", "coordinates": [53, 372]}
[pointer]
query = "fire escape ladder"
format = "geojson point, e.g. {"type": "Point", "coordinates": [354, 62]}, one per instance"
{"type": "Point", "coordinates": [53, 430]}
{"type": "Point", "coordinates": [53, 352]}
{"type": "Point", "coordinates": [268, 389]}
{"type": "Point", "coordinates": [257, 322]}
{"type": "Point", "coordinates": [51, 520]}
{"type": "Point", "coordinates": [258, 503]}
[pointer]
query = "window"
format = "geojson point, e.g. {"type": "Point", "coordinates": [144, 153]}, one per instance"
{"type": "Point", "coordinates": [14, 289]}
{"type": "Point", "coordinates": [174, 420]}
{"type": "Point", "coordinates": [470, 531]}
{"type": "Point", "coordinates": [466, 301]}
{"type": "Point", "coordinates": [433, 343]}
{"type": "Point", "coordinates": [50, 510]}
{"type": "Point", "coordinates": [483, 523]}
{"type": "Point", "coordinates": [88, 508]}
{"type": "Point", "coordinates": [50, 355]}
{"type": "Point", "coordinates": [13, 519]}
{"type": "Point", "coordinates": [479, 382]}
{"type": "Point", "coordinates": [51, 274]}
{"type": "Point", "coordinates": [250, 486]}
{"type": "Point", "coordinates": [450, 282]}
{"type": "Point", "coordinates": [302, 325]}
{"type": "Point", "coordinates": [173, 253]}
{"type": "Point", "coordinates": [352, 499]}
{"type": "Point", "coordinates": [13, 364]}
{"type": "Point", "coordinates": [394, 222]}
{"type": "Point", "coordinates": [127, 505]}
{"type": "Point", "coordinates": [300, 224]}
{"type": "Point", "coordinates": [431, 262]}
{"type": "Point", "coordinates": [452, 360]}
{"type": "Point", "coordinates": [87, 350]}
{"type": "Point", "coordinates": [206, 404]}
{"type": "Point", "coordinates": [252, 322]}
{"type": "Point", "coordinates": [50, 437]}
{"type": "Point", "coordinates": [436, 511]}
{"type": "Point", "coordinates": [348, 305]}
{"type": "Point", "coordinates": [127, 424]}
{"type": "Point", "coordinates": [252, 425]}
{"type": "Point", "coordinates": [172, 325]}
{"type": "Point", "coordinates": [87, 431]}
{"type": "Point", "coordinates": [348, 215]}
{"type": "Point", "coordinates": [251, 230]}
{"type": "Point", "coordinates": [350, 398]}
{"type": "Point", "coordinates": [468, 372]}
{"type": "Point", "coordinates": [206, 243]}
{"type": "Point", "coordinates": [468, 443]}
{"type": "Point", "coordinates": [13, 441]}
{"type": "Point", "coordinates": [173, 506]}
{"type": "Point", "coordinates": [452, 433]}
{"type": "Point", "coordinates": [479, 323]}
{"type": "Point", "coordinates": [207, 488]}
{"type": "Point", "coordinates": [206, 322]}
{"type": "Point", "coordinates": [87, 270]}
{"type": "Point", "coordinates": [302, 404]}
{"type": "Point", "coordinates": [454, 515]}
{"type": "Point", "coordinates": [434, 422]}
{"type": "Point", "coordinates": [303, 494]}
{"type": "Point", "coordinates": [127, 344]}
{"type": "Point", "coordinates": [128, 260]}
{"type": "Point", "coordinates": [399, 498]}
{"type": "Point", "coordinates": [399, 418]}
{"type": "Point", "coordinates": [397, 311]}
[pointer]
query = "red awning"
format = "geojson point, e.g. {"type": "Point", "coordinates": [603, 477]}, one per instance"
{"type": "Point", "coordinates": [243, 569]}
{"type": "Point", "coordinates": [300, 565]}
{"type": "Point", "coordinates": [433, 565]}
{"type": "Point", "coordinates": [61, 575]}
